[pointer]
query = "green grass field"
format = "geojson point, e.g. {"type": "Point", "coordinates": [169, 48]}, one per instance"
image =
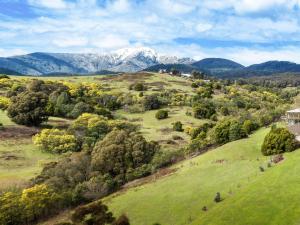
{"type": "Point", "coordinates": [161, 130]}
{"type": "Point", "coordinates": [250, 196]}
{"type": "Point", "coordinates": [20, 160]}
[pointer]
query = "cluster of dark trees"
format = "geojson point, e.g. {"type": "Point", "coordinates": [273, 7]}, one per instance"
{"type": "Point", "coordinates": [32, 104]}
{"type": "Point", "coordinates": [274, 81]}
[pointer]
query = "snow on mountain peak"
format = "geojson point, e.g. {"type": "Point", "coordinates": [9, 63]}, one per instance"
{"type": "Point", "coordinates": [126, 53]}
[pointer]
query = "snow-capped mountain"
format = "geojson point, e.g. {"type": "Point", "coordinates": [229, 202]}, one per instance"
{"type": "Point", "coordinates": [123, 60]}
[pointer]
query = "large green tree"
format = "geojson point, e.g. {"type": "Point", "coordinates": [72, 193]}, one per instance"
{"type": "Point", "coordinates": [28, 108]}
{"type": "Point", "coordinates": [122, 155]}
{"type": "Point", "coordinates": [278, 140]}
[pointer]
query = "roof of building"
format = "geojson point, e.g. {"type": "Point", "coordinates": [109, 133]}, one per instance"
{"type": "Point", "coordinates": [294, 111]}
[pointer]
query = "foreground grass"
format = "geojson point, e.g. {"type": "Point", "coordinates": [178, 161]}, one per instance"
{"type": "Point", "coordinates": [250, 196]}
{"type": "Point", "coordinates": [5, 120]}
{"type": "Point", "coordinates": [20, 159]}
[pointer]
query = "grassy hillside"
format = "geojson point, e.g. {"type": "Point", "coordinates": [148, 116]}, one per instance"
{"type": "Point", "coordinates": [20, 159]}
{"type": "Point", "coordinates": [233, 170]}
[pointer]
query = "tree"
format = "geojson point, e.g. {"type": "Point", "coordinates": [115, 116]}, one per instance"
{"type": "Point", "coordinates": [236, 131]}
{"type": "Point", "coordinates": [177, 126]}
{"type": "Point", "coordinates": [94, 213]}
{"type": "Point", "coordinates": [205, 92]}
{"type": "Point", "coordinates": [249, 126]}
{"type": "Point", "coordinates": [55, 141]}
{"type": "Point", "coordinates": [228, 130]}
{"type": "Point", "coordinates": [123, 155]}
{"type": "Point", "coordinates": [122, 220]}
{"type": "Point", "coordinates": [88, 128]}
{"type": "Point", "coordinates": [4, 102]}
{"type": "Point", "coordinates": [11, 209]}
{"type": "Point", "coordinates": [204, 110]}
{"type": "Point", "coordinates": [137, 87]}
{"type": "Point", "coordinates": [161, 114]}
{"type": "Point", "coordinates": [28, 108]}
{"type": "Point", "coordinates": [175, 72]}
{"type": "Point", "coordinates": [277, 141]}
{"type": "Point", "coordinates": [197, 75]}
{"type": "Point", "coordinates": [38, 201]}
{"type": "Point", "coordinates": [79, 108]}
{"type": "Point", "coordinates": [151, 102]}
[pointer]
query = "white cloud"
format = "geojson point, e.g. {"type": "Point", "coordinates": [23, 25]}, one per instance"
{"type": "Point", "coordinates": [85, 25]}
{"type": "Point", "coordinates": [120, 6]}
{"type": "Point", "coordinates": [176, 7]}
{"type": "Point", "coordinates": [253, 56]}
{"type": "Point", "coordinates": [70, 41]}
{"type": "Point", "coordinates": [53, 4]}
{"type": "Point", "coordinates": [110, 42]}
{"type": "Point", "coordinates": [201, 27]}
{"type": "Point", "coordinates": [11, 52]}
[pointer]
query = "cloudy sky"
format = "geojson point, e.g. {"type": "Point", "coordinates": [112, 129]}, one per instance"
{"type": "Point", "coordinates": [247, 31]}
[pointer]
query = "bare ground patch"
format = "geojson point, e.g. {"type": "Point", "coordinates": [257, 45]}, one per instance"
{"type": "Point", "coordinates": [18, 132]}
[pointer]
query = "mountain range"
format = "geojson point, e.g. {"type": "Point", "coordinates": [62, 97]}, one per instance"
{"type": "Point", "coordinates": [133, 60]}
{"type": "Point", "coordinates": [123, 60]}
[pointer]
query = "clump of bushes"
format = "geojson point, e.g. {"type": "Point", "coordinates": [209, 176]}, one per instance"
{"type": "Point", "coordinates": [161, 114]}
{"type": "Point", "coordinates": [204, 110]}
{"type": "Point", "coordinates": [177, 126]}
{"type": "Point", "coordinates": [228, 130]}
{"type": "Point", "coordinates": [55, 141]}
{"type": "Point", "coordinates": [277, 141]}
{"type": "Point", "coordinates": [96, 213]}
{"type": "Point", "coordinates": [151, 102]}
{"type": "Point", "coordinates": [137, 87]}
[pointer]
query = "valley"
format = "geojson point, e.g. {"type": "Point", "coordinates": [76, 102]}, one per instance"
{"type": "Point", "coordinates": [191, 163]}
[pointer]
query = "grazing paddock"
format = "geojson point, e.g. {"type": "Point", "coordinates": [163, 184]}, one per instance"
{"type": "Point", "coordinates": [161, 130]}
{"type": "Point", "coordinates": [20, 159]}
{"type": "Point", "coordinates": [233, 170]}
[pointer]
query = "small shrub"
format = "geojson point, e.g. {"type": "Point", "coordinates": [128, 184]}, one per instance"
{"type": "Point", "coordinates": [137, 87]}
{"type": "Point", "coordinates": [122, 220]}
{"type": "Point", "coordinates": [261, 169]}
{"type": "Point", "coordinates": [151, 102]}
{"type": "Point", "coordinates": [161, 114]}
{"type": "Point", "coordinates": [218, 197]}
{"type": "Point", "coordinates": [177, 126]}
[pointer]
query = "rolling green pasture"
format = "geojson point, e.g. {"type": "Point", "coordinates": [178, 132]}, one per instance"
{"type": "Point", "coordinates": [120, 83]}
{"type": "Point", "coordinates": [161, 130]}
{"type": "Point", "coordinates": [249, 196]}
{"type": "Point", "coordinates": [20, 160]}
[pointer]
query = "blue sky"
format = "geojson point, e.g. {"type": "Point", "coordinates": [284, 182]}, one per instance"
{"type": "Point", "coordinates": [247, 31]}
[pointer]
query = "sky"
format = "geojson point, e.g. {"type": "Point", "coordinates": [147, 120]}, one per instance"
{"type": "Point", "coordinates": [246, 31]}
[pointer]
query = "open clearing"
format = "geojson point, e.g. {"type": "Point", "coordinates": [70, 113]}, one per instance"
{"type": "Point", "coordinates": [20, 159]}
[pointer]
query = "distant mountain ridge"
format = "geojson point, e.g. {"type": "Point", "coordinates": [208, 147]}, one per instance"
{"type": "Point", "coordinates": [133, 60]}
{"type": "Point", "coordinates": [224, 68]}
{"type": "Point", "coordinates": [123, 60]}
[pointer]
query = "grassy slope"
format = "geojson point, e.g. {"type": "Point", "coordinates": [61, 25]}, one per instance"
{"type": "Point", "coordinates": [161, 130]}
{"type": "Point", "coordinates": [250, 197]}
{"type": "Point", "coordinates": [28, 162]}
